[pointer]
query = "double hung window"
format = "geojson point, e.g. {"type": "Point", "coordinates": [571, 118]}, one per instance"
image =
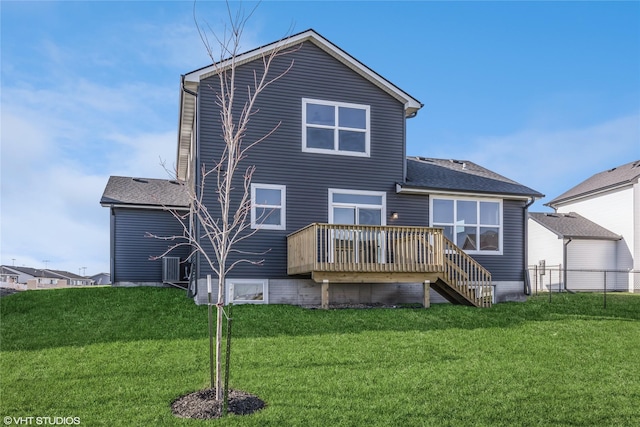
{"type": "Point", "coordinates": [335, 128]}
{"type": "Point", "coordinates": [473, 225]}
{"type": "Point", "coordinates": [268, 206]}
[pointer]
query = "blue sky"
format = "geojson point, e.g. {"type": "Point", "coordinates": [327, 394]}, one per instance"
{"type": "Point", "coordinates": [545, 93]}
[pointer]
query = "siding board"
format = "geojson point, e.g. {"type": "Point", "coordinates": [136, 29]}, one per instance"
{"type": "Point", "coordinates": [280, 160]}
{"type": "Point", "coordinates": [132, 249]}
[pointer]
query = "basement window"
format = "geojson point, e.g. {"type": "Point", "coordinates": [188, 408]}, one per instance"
{"type": "Point", "coordinates": [247, 291]}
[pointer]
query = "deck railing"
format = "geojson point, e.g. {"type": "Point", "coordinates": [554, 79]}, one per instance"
{"type": "Point", "coordinates": [364, 248]}
{"type": "Point", "coordinates": [387, 249]}
{"type": "Point", "coordinates": [467, 275]}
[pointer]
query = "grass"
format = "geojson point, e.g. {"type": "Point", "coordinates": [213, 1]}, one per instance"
{"type": "Point", "coordinates": [119, 356]}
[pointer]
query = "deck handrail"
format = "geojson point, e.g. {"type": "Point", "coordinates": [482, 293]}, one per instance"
{"type": "Point", "coordinates": [365, 248]}
{"type": "Point", "coordinates": [467, 274]}
{"type": "Point", "coordinates": [322, 247]}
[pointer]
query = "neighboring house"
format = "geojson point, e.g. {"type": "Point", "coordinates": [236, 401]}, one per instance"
{"type": "Point", "coordinates": [350, 218]}
{"type": "Point", "coordinates": [101, 279]}
{"type": "Point", "coordinates": [139, 207]}
{"type": "Point", "coordinates": [610, 199]}
{"type": "Point", "coordinates": [575, 251]}
{"type": "Point", "coordinates": [44, 278]}
{"type": "Point", "coordinates": [8, 278]}
{"type": "Point", "coordinates": [72, 278]}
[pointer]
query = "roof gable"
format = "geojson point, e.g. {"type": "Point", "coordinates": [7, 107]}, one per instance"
{"type": "Point", "coordinates": [460, 176]}
{"type": "Point", "coordinates": [191, 81]}
{"type": "Point", "coordinates": [607, 180]}
{"type": "Point", "coordinates": [571, 225]}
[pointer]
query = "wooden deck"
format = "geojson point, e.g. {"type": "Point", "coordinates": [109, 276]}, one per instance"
{"type": "Point", "coordinates": [387, 254]}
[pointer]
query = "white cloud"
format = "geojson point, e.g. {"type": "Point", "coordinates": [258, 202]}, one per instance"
{"type": "Point", "coordinates": [552, 162]}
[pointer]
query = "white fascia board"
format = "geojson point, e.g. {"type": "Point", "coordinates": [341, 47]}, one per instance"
{"type": "Point", "coordinates": [411, 104]}
{"type": "Point", "coordinates": [402, 190]}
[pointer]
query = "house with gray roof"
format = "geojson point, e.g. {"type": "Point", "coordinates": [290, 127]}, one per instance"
{"type": "Point", "coordinates": [351, 219]}
{"type": "Point", "coordinates": [36, 278]}
{"type": "Point", "coordinates": [577, 250]}
{"type": "Point", "coordinates": [605, 209]}
{"type": "Point", "coordinates": [139, 208]}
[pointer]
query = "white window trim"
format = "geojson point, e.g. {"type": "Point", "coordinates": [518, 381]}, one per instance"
{"type": "Point", "coordinates": [282, 207]}
{"type": "Point", "coordinates": [478, 200]}
{"type": "Point", "coordinates": [336, 127]}
{"type": "Point", "coordinates": [230, 283]}
{"type": "Point", "coordinates": [333, 191]}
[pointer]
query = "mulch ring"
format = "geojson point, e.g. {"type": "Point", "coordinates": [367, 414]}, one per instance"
{"type": "Point", "coordinates": [203, 404]}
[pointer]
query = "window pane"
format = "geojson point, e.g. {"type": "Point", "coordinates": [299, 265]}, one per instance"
{"type": "Point", "coordinates": [352, 141]}
{"type": "Point", "coordinates": [248, 292]}
{"type": "Point", "coordinates": [467, 212]}
{"type": "Point", "coordinates": [268, 196]}
{"type": "Point", "coordinates": [344, 216]}
{"type": "Point", "coordinates": [489, 239]}
{"type": "Point", "coordinates": [352, 117]}
{"type": "Point", "coordinates": [363, 199]}
{"type": "Point", "coordinates": [448, 232]}
{"type": "Point", "coordinates": [268, 216]}
{"type": "Point", "coordinates": [369, 216]}
{"type": "Point", "coordinates": [320, 138]}
{"type": "Point", "coordinates": [443, 211]}
{"type": "Point", "coordinates": [466, 238]}
{"type": "Point", "coordinates": [489, 213]}
{"type": "Point", "coordinates": [321, 114]}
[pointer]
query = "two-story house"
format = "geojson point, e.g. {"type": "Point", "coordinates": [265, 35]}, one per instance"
{"type": "Point", "coordinates": [350, 217]}
{"type": "Point", "coordinates": [595, 229]}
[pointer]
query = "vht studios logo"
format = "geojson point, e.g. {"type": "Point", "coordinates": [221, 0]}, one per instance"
{"type": "Point", "coordinates": [42, 421]}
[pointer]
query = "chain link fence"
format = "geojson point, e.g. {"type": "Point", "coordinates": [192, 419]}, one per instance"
{"type": "Point", "coordinates": [555, 278]}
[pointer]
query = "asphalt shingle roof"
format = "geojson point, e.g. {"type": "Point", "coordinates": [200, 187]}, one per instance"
{"type": "Point", "coordinates": [121, 190]}
{"type": "Point", "coordinates": [611, 178]}
{"type": "Point", "coordinates": [461, 175]}
{"type": "Point", "coordinates": [572, 225]}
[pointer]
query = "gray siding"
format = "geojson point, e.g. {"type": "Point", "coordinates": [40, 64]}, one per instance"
{"type": "Point", "coordinates": [132, 249]}
{"type": "Point", "coordinates": [307, 176]}
{"type": "Point", "coordinates": [510, 265]}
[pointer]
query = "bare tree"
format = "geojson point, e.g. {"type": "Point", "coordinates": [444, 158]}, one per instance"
{"type": "Point", "coordinates": [214, 232]}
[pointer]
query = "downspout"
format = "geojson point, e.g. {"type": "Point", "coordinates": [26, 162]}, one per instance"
{"type": "Point", "coordinates": [564, 262]}
{"type": "Point", "coordinates": [525, 251]}
{"type": "Point", "coordinates": [112, 245]}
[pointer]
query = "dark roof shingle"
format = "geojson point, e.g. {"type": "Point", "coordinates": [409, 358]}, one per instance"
{"type": "Point", "coordinates": [121, 190]}
{"type": "Point", "coordinates": [572, 225]}
{"type": "Point", "coordinates": [611, 178]}
{"type": "Point", "coordinates": [461, 175]}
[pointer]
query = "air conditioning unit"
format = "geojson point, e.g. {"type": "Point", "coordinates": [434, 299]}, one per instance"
{"type": "Point", "coordinates": [170, 269]}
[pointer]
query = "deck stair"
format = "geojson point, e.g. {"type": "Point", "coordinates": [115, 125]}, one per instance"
{"type": "Point", "coordinates": [388, 254]}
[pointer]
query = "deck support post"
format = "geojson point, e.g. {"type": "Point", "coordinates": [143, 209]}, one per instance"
{"type": "Point", "coordinates": [325, 294]}
{"type": "Point", "coordinates": [426, 297]}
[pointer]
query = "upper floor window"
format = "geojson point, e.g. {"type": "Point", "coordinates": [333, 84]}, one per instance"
{"type": "Point", "coordinates": [473, 225]}
{"type": "Point", "coordinates": [268, 206]}
{"type": "Point", "coordinates": [335, 128]}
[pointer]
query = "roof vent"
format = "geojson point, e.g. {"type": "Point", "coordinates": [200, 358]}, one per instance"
{"type": "Point", "coordinates": [144, 181]}
{"type": "Point", "coordinates": [612, 169]}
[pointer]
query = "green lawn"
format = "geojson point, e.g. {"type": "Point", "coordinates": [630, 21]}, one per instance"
{"type": "Point", "coordinates": [119, 356]}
